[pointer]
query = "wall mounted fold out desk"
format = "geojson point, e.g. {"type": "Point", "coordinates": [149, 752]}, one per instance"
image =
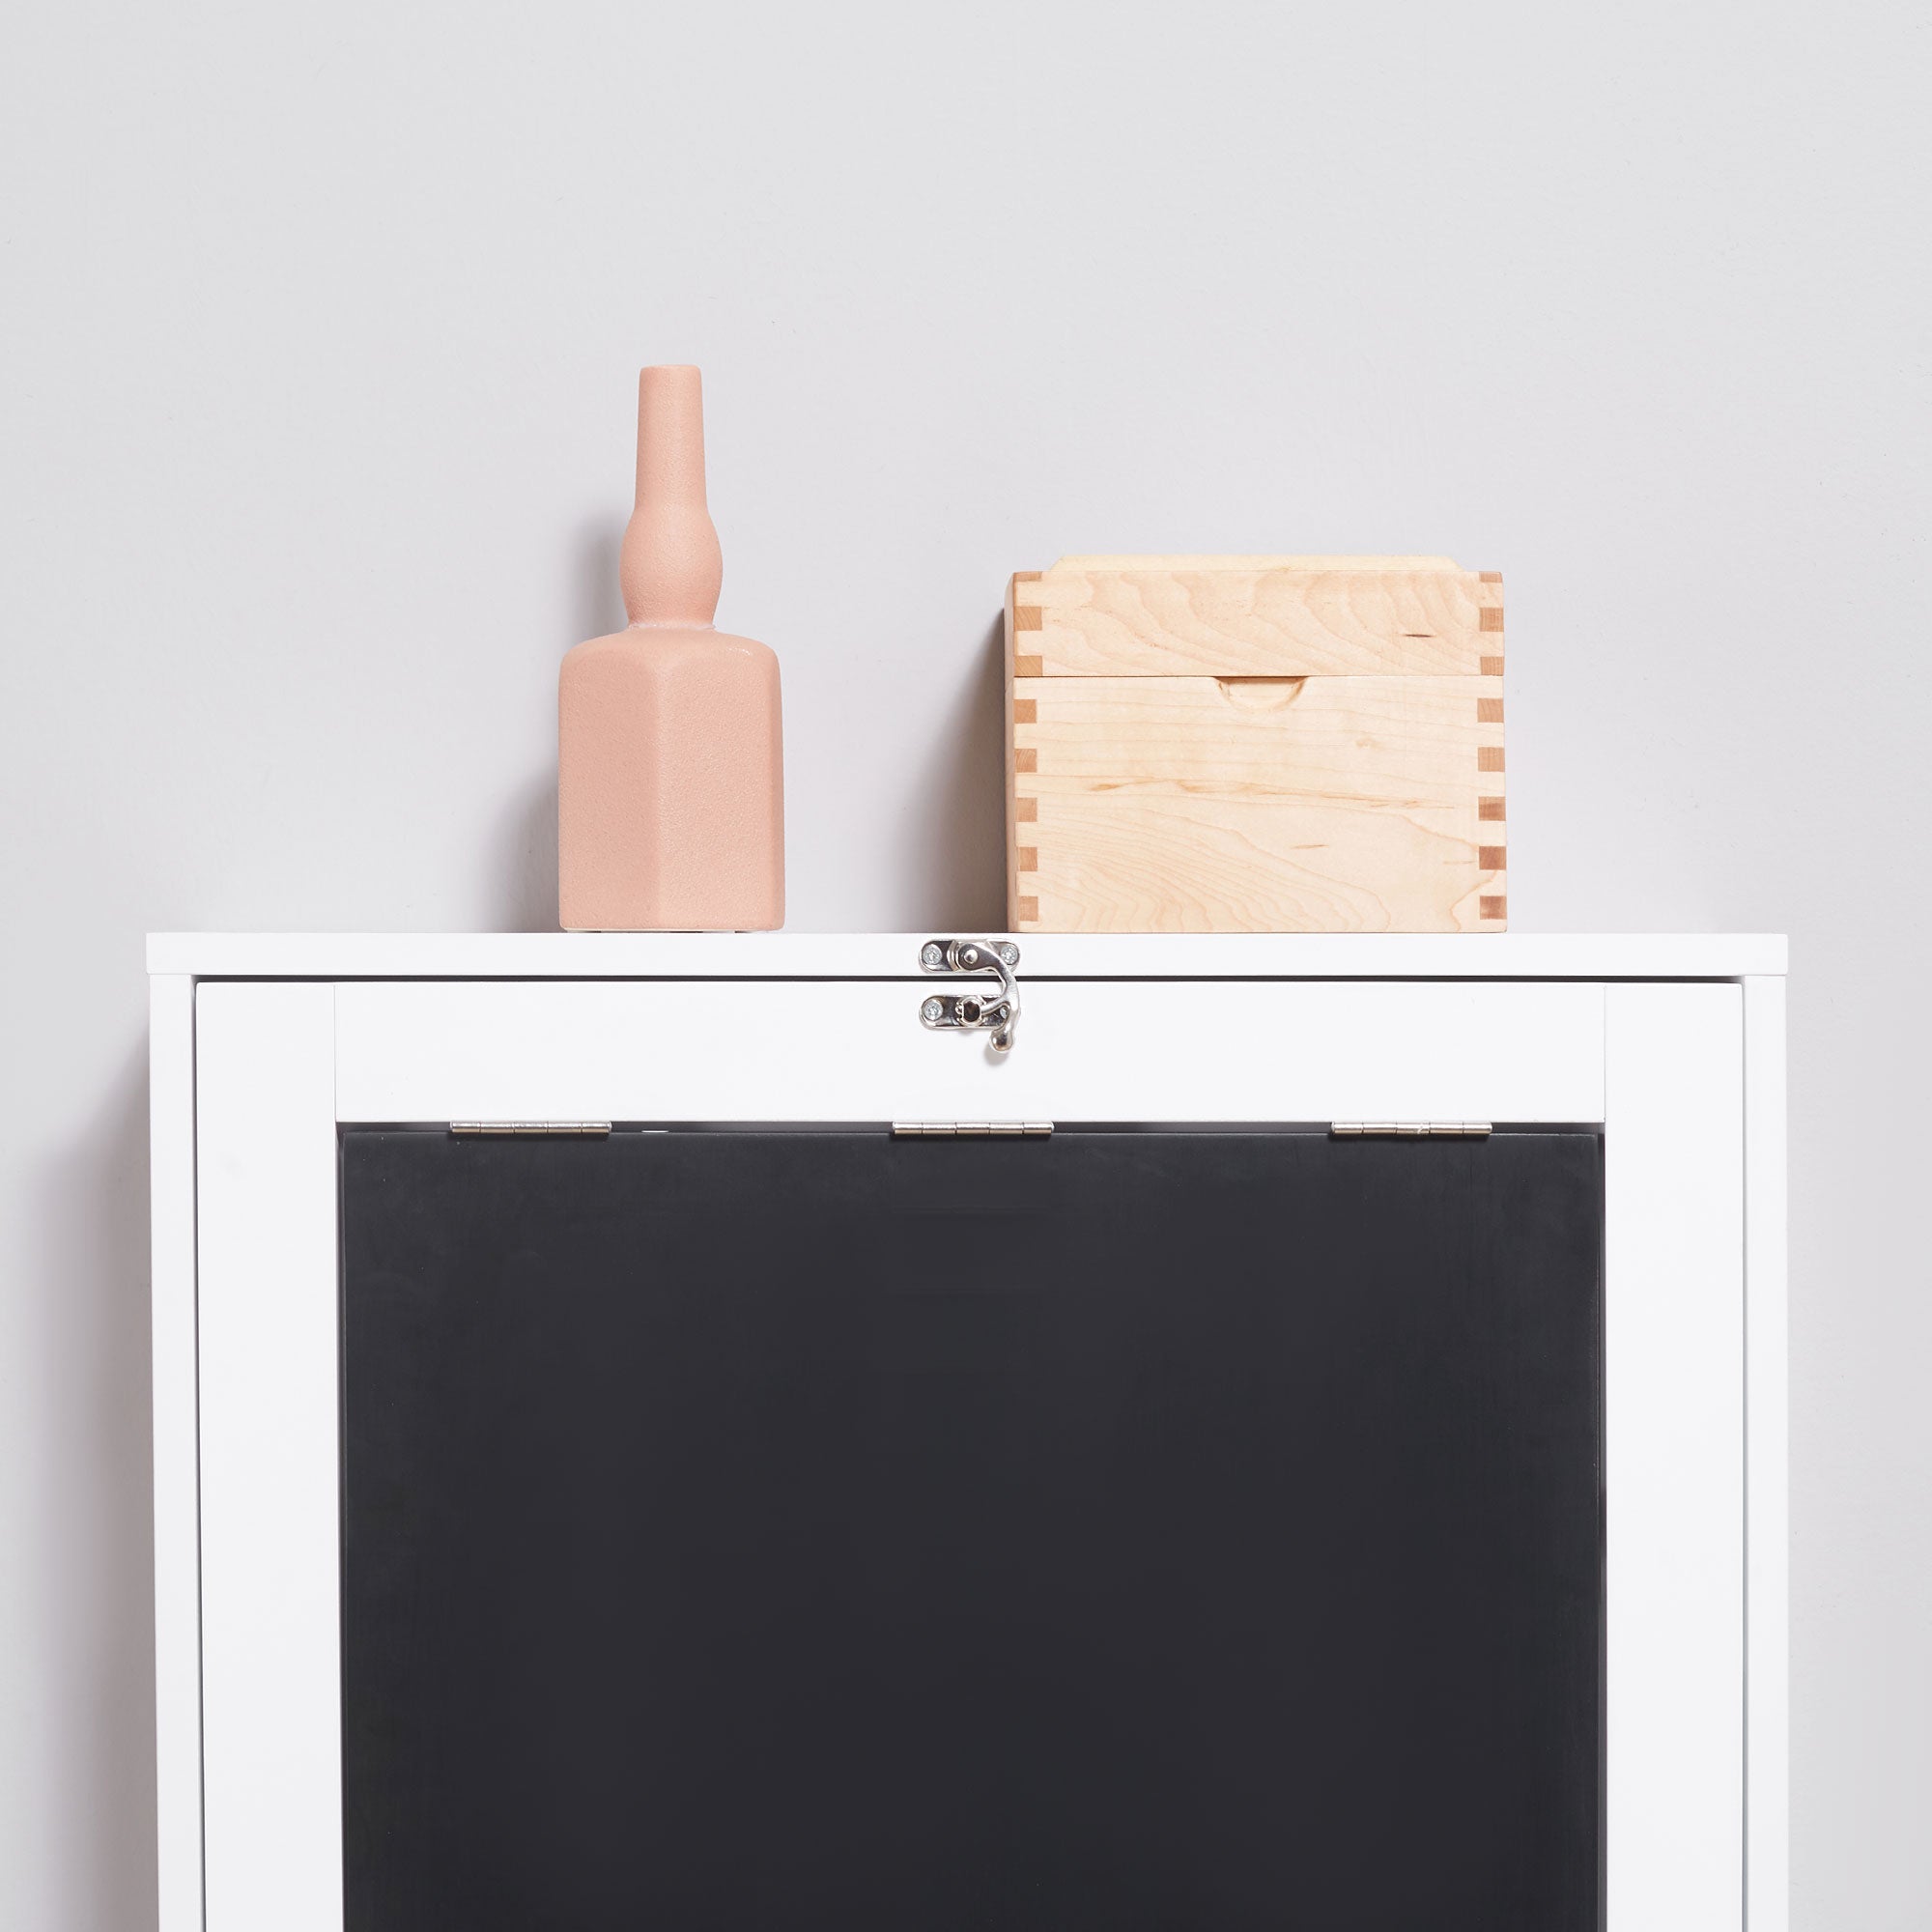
{"type": "Point", "coordinates": [650, 1429]}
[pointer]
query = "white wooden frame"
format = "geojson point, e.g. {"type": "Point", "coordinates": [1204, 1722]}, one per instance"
{"type": "Point", "coordinates": [261, 1047]}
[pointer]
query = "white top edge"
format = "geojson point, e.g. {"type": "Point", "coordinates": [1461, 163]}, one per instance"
{"type": "Point", "coordinates": [893, 955]}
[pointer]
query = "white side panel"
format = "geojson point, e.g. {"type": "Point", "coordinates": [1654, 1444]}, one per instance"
{"type": "Point", "coordinates": [1768, 1525]}
{"type": "Point", "coordinates": [271, 1690]}
{"type": "Point", "coordinates": [1674, 1431]}
{"type": "Point", "coordinates": [177, 1510]}
{"type": "Point", "coordinates": [1099, 1050]}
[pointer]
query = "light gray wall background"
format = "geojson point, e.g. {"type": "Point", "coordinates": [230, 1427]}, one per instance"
{"type": "Point", "coordinates": [319, 335]}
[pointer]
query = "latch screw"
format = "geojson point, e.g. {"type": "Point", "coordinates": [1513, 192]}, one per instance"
{"type": "Point", "coordinates": [934, 957]}
{"type": "Point", "coordinates": [932, 1009]}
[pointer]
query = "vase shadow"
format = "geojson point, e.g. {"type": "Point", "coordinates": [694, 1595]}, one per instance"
{"type": "Point", "coordinates": [956, 853]}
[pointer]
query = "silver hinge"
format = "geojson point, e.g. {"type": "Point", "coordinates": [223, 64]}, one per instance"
{"type": "Point", "coordinates": [529, 1129]}
{"type": "Point", "coordinates": [994, 1012]}
{"type": "Point", "coordinates": [969, 1130]}
{"type": "Point", "coordinates": [1449, 1130]}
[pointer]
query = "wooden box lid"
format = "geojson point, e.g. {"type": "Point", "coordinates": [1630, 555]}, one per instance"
{"type": "Point", "coordinates": [1257, 616]}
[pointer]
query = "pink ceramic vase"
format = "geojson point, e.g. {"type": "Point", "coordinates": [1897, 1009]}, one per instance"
{"type": "Point", "coordinates": [671, 779]}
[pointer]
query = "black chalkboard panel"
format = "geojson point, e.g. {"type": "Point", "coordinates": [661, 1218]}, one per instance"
{"type": "Point", "coordinates": [1126, 1530]}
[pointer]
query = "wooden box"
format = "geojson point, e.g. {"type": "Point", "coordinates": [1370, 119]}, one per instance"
{"type": "Point", "coordinates": [1226, 744]}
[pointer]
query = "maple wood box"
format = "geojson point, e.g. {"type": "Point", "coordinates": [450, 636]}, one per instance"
{"type": "Point", "coordinates": [1255, 745]}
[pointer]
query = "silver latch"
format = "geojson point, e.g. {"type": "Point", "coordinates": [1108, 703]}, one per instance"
{"type": "Point", "coordinates": [997, 1012]}
{"type": "Point", "coordinates": [1422, 1130]}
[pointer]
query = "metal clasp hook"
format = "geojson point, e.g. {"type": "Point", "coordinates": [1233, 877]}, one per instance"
{"type": "Point", "coordinates": [997, 1013]}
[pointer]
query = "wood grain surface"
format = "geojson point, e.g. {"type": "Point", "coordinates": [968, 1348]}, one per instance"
{"type": "Point", "coordinates": [1255, 743]}
{"type": "Point", "coordinates": [1259, 618]}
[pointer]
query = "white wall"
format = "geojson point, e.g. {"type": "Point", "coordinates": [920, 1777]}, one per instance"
{"type": "Point", "coordinates": [318, 332]}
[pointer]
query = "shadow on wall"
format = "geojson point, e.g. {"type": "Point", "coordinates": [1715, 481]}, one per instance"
{"type": "Point", "coordinates": [528, 864]}
{"type": "Point", "coordinates": [92, 1259]}
{"type": "Point", "coordinates": [530, 859]}
{"type": "Point", "coordinates": [952, 869]}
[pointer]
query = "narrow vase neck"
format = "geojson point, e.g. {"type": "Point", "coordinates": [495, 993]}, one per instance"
{"type": "Point", "coordinates": [671, 566]}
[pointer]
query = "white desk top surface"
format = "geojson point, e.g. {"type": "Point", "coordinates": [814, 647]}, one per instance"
{"type": "Point", "coordinates": [874, 955]}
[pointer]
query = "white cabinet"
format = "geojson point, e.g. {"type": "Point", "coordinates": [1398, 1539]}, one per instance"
{"type": "Point", "coordinates": [264, 1050]}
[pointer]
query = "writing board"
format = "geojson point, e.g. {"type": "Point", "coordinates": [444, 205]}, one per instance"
{"type": "Point", "coordinates": [1123, 1529]}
